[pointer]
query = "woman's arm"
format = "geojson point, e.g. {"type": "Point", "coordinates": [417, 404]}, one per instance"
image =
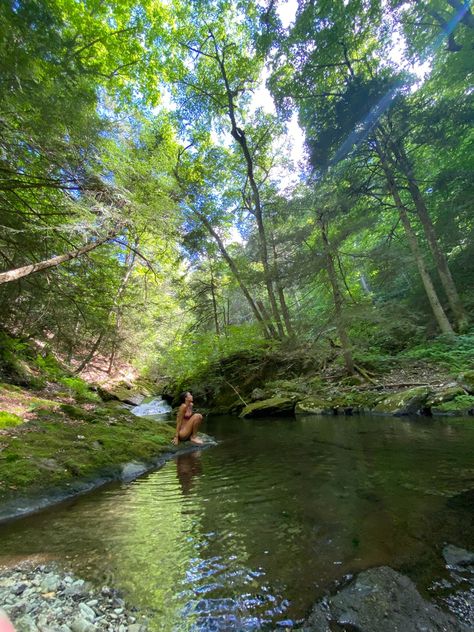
{"type": "Point", "coordinates": [179, 419]}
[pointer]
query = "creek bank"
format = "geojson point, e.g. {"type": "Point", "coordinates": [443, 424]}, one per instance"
{"type": "Point", "coordinates": [43, 598]}
{"type": "Point", "coordinates": [380, 599]}
{"type": "Point", "coordinates": [61, 450]}
{"type": "Point", "coordinates": [254, 384]}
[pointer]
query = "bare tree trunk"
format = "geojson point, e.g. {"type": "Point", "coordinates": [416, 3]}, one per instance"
{"type": "Point", "coordinates": [18, 273]}
{"type": "Point", "coordinates": [281, 294]}
{"type": "Point", "coordinates": [230, 262]}
{"type": "Point", "coordinates": [214, 305]}
{"type": "Point", "coordinates": [430, 290]}
{"type": "Point", "coordinates": [440, 259]}
{"type": "Point", "coordinates": [239, 136]}
{"type": "Point", "coordinates": [338, 300]}
{"type": "Point", "coordinates": [91, 353]}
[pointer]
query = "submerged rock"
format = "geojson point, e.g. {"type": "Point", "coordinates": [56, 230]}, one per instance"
{"type": "Point", "coordinates": [455, 556]}
{"type": "Point", "coordinates": [408, 402]}
{"type": "Point", "coordinates": [272, 406]}
{"type": "Point", "coordinates": [381, 599]}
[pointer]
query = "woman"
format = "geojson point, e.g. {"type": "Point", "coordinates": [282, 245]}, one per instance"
{"type": "Point", "coordinates": [187, 422]}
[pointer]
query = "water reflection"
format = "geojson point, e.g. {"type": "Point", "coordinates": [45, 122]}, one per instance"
{"type": "Point", "coordinates": [251, 532]}
{"type": "Point", "coordinates": [188, 466]}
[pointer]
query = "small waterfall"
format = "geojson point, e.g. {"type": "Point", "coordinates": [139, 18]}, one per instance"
{"type": "Point", "coordinates": [156, 406]}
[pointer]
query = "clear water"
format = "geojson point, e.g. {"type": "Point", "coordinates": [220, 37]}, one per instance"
{"type": "Point", "coordinates": [248, 534]}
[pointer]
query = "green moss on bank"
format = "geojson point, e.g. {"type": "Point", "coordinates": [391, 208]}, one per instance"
{"type": "Point", "coordinates": [60, 446]}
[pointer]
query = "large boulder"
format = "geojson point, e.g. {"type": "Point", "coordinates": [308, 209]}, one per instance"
{"type": "Point", "coordinates": [381, 599]}
{"type": "Point", "coordinates": [269, 407]}
{"type": "Point", "coordinates": [408, 402]}
{"type": "Point", "coordinates": [121, 393]}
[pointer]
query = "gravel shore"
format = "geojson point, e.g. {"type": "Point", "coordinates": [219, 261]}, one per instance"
{"type": "Point", "coordinates": [42, 598]}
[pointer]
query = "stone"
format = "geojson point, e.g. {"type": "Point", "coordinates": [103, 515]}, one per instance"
{"type": "Point", "coordinates": [269, 407]}
{"type": "Point", "coordinates": [82, 625]}
{"type": "Point", "coordinates": [76, 590]}
{"type": "Point", "coordinates": [313, 406]}
{"type": "Point", "coordinates": [381, 599]}
{"type": "Point", "coordinates": [455, 556]}
{"type": "Point", "coordinates": [258, 394]}
{"type": "Point", "coordinates": [408, 402]}
{"type": "Point", "coordinates": [466, 381]}
{"type": "Point", "coordinates": [87, 612]}
{"type": "Point", "coordinates": [50, 583]}
{"type": "Point", "coordinates": [446, 394]}
{"type": "Point", "coordinates": [132, 470]}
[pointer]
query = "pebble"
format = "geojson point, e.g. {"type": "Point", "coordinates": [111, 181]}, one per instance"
{"type": "Point", "coordinates": [44, 599]}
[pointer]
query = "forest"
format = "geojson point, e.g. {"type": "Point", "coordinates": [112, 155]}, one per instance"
{"type": "Point", "coordinates": [263, 209]}
{"type": "Point", "coordinates": [181, 181]}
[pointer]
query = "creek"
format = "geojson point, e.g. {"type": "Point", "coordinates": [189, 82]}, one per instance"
{"type": "Point", "coordinates": [246, 535]}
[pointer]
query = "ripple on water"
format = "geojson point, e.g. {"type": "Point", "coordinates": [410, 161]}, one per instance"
{"type": "Point", "coordinates": [249, 533]}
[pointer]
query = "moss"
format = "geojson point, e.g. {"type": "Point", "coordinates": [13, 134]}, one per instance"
{"type": "Point", "coordinates": [273, 406]}
{"type": "Point", "coordinates": [463, 404]}
{"type": "Point", "coordinates": [8, 420]}
{"type": "Point", "coordinates": [71, 445]}
{"type": "Point", "coordinates": [406, 402]}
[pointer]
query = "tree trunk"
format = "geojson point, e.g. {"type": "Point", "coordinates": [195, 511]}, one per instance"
{"type": "Point", "coordinates": [18, 273]}
{"type": "Point", "coordinates": [440, 259]}
{"type": "Point", "coordinates": [214, 305]}
{"type": "Point", "coordinates": [430, 290]}
{"type": "Point", "coordinates": [239, 136]}
{"type": "Point", "coordinates": [337, 296]}
{"type": "Point", "coordinates": [230, 262]}
{"type": "Point", "coordinates": [281, 294]}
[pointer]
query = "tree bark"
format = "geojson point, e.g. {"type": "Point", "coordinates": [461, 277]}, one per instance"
{"type": "Point", "coordinates": [281, 294]}
{"type": "Point", "coordinates": [19, 273]}
{"type": "Point", "coordinates": [430, 290]}
{"type": "Point", "coordinates": [338, 300]}
{"type": "Point", "coordinates": [230, 262]}
{"type": "Point", "coordinates": [214, 305]}
{"type": "Point", "coordinates": [440, 259]}
{"type": "Point", "coordinates": [239, 136]}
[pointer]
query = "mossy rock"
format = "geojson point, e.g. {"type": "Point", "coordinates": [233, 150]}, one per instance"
{"type": "Point", "coordinates": [444, 395]}
{"type": "Point", "coordinates": [122, 394]}
{"type": "Point", "coordinates": [269, 407]}
{"type": "Point", "coordinates": [460, 405]}
{"type": "Point", "coordinates": [314, 406]}
{"type": "Point", "coordinates": [466, 381]}
{"type": "Point", "coordinates": [408, 402]}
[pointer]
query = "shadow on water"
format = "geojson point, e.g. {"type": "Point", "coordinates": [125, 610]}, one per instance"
{"type": "Point", "coordinates": [247, 535]}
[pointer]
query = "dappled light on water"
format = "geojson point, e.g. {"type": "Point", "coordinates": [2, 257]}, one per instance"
{"type": "Point", "coordinates": [248, 534]}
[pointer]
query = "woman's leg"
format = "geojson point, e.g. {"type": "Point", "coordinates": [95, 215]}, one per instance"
{"type": "Point", "coordinates": [196, 420]}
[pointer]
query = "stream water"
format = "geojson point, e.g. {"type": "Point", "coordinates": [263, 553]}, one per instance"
{"type": "Point", "coordinates": [248, 534]}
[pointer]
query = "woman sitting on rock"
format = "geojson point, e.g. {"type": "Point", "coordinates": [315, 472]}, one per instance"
{"type": "Point", "coordinates": [187, 422]}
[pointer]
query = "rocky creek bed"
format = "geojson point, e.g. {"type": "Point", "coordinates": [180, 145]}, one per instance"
{"type": "Point", "coordinates": [44, 598]}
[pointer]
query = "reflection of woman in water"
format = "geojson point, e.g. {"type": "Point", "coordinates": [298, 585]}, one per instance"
{"type": "Point", "coordinates": [188, 466]}
{"type": "Point", "coordinates": [187, 422]}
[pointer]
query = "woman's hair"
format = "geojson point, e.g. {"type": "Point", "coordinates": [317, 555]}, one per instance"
{"type": "Point", "coordinates": [182, 397]}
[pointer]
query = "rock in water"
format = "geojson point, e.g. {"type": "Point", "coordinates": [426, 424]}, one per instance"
{"type": "Point", "coordinates": [456, 556]}
{"type": "Point", "coordinates": [381, 600]}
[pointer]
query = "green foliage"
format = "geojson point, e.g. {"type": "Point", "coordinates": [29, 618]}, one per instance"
{"type": "Point", "coordinates": [455, 355]}
{"type": "Point", "coordinates": [8, 420]}
{"type": "Point", "coordinates": [79, 389]}
{"type": "Point", "coordinates": [197, 351]}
